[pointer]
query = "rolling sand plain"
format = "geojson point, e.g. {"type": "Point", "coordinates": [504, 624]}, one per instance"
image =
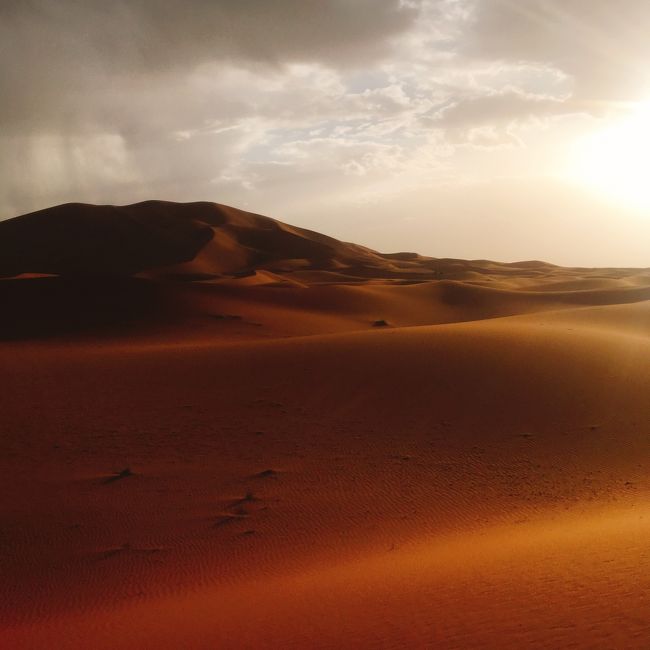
{"type": "Point", "coordinates": [220, 431]}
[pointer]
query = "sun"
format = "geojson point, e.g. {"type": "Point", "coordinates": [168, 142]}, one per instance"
{"type": "Point", "coordinates": [615, 161]}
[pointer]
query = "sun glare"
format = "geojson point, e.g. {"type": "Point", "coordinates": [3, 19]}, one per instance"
{"type": "Point", "coordinates": [615, 161]}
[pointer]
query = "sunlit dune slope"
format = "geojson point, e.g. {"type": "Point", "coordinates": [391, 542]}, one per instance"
{"type": "Point", "coordinates": [398, 478]}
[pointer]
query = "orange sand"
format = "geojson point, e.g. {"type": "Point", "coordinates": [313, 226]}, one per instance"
{"type": "Point", "coordinates": [472, 475]}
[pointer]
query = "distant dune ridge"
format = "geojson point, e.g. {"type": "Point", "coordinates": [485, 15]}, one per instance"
{"type": "Point", "coordinates": [222, 431]}
{"type": "Point", "coordinates": [155, 264]}
{"type": "Point", "coordinates": [202, 241]}
{"type": "Point", "coordinates": [201, 238]}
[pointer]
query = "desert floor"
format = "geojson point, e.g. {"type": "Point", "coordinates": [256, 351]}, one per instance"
{"type": "Point", "coordinates": [271, 471]}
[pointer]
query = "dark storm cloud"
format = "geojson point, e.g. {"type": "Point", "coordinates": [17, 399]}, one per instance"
{"type": "Point", "coordinates": [57, 57]}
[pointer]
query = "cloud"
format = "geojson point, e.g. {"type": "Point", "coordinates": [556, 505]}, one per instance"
{"type": "Point", "coordinates": [60, 60]}
{"type": "Point", "coordinates": [300, 107]}
{"type": "Point", "coordinates": [177, 91]}
{"type": "Point", "coordinates": [491, 119]}
{"type": "Point", "coordinates": [497, 108]}
{"type": "Point", "coordinates": [602, 44]}
{"type": "Point", "coordinates": [231, 100]}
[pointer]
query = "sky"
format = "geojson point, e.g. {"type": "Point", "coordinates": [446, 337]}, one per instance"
{"type": "Point", "coordinates": [478, 129]}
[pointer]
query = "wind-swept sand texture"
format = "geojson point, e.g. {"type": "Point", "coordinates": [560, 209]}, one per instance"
{"type": "Point", "coordinates": [230, 452]}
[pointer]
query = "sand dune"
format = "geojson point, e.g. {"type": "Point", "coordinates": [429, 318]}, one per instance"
{"type": "Point", "coordinates": [229, 453]}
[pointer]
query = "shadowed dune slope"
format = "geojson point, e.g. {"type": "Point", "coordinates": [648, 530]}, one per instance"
{"type": "Point", "coordinates": [80, 239]}
{"type": "Point", "coordinates": [83, 239]}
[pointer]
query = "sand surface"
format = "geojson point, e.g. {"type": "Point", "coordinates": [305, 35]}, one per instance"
{"type": "Point", "coordinates": [227, 452]}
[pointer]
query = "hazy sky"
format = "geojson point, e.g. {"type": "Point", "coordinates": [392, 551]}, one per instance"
{"type": "Point", "coordinates": [502, 129]}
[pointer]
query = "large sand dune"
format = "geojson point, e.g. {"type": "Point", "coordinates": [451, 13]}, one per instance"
{"type": "Point", "coordinates": [225, 450]}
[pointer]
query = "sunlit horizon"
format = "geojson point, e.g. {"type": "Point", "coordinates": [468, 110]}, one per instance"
{"type": "Point", "coordinates": [615, 161]}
